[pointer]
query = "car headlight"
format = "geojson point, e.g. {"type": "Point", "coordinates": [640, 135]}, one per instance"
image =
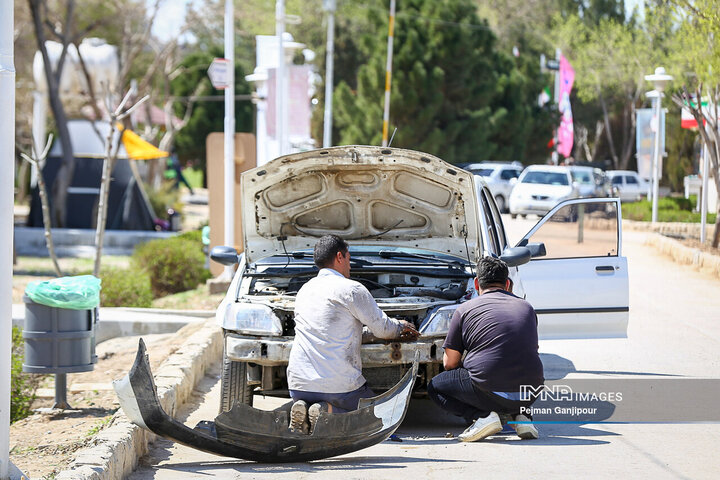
{"type": "Point", "coordinates": [252, 319]}
{"type": "Point", "coordinates": [438, 322]}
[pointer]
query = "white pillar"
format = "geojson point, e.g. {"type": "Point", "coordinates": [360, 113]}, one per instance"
{"type": "Point", "coordinates": [229, 137]}
{"type": "Point", "coordinates": [388, 74]}
{"type": "Point", "coordinates": [7, 166]}
{"type": "Point", "coordinates": [656, 159]}
{"type": "Point", "coordinates": [280, 78]}
{"type": "Point", "coordinates": [704, 192]}
{"type": "Point", "coordinates": [329, 5]}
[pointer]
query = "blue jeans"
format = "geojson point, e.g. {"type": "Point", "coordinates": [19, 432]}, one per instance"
{"type": "Point", "coordinates": [454, 391]}
{"type": "Point", "coordinates": [341, 402]}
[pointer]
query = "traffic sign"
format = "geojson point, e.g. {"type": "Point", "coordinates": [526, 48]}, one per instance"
{"type": "Point", "coordinates": [219, 73]}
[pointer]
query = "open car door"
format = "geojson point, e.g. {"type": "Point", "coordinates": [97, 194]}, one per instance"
{"type": "Point", "coordinates": [580, 288]}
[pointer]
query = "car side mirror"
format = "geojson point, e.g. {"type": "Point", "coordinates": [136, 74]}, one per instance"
{"type": "Point", "coordinates": [537, 249]}
{"type": "Point", "coordinates": [224, 255]}
{"type": "Point", "coordinates": [513, 181]}
{"type": "Point", "coordinates": [515, 256]}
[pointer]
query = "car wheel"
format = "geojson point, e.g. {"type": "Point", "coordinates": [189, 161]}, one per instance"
{"type": "Point", "coordinates": [500, 200]}
{"type": "Point", "coordinates": [234, 385]}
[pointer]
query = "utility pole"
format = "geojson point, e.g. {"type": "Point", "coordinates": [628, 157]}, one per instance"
{"type": "Point", "coordinates": [329, 6]}
{"type": "Point", "coordinates": [229, 134]}
{"type": "Point", "coordinates": [7, 165]}
{"type": "Point", "coordinates": [388, 74]}
{"type": "Point", "coordinates": [280, 108]}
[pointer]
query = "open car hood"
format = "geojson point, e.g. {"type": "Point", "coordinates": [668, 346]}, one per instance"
{"type": "Point", "coordinates": [364, 194]}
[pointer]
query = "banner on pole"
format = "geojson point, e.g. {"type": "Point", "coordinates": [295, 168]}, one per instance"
{"type": "Point", "coordinates": [565, 131]}
{"type": "Point", "coordinates": [645, 140]}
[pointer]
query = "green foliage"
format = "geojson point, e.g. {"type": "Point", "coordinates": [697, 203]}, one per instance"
{"type": "Point", "coordinates": [174, 264]}
{"type": "Point", "coordinates": [670, 209]}
{"type": "Point", "coordinates": [163, 198]}
{"type": "Point", "coordinates": [22, 385]}
{"type": "Point", "coordinates": [125, 287]}
{"type": "Point", "coordinates": [453, 93]}
{"type": "Point", "coordinates": [207, 117]}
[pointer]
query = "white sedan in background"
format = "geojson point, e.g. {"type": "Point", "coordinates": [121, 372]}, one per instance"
{"type": "Point", "coordinates": [629, 185]}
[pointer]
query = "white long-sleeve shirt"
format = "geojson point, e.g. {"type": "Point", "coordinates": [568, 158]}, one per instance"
{"type": "Point", "coordinates": [330, 311]}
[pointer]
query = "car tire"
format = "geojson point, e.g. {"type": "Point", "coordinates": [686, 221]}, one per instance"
{"type": "Point", "coordinates": [501, 204]}
{"type": "Point", "coordinates": [234, 385]}
{"type": "Point", "coordinates": [513, 216]}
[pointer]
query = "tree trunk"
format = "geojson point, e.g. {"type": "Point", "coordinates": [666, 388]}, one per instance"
{"type": "Point", "coordinates": [608, 131]}
{"type": "Point", "coordinates": [629, 140]}
{"type": "Point", "coordinates": [67, 169]}
{"type": "Point", "coordinates": [102, 199]}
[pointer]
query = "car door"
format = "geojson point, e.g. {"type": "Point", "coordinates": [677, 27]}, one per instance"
{"type": "Point", "coordinates": [579, 289]}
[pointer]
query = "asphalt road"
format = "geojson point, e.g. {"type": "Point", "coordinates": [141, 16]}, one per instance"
{"type": "Point", "coordinates": [674, 330]}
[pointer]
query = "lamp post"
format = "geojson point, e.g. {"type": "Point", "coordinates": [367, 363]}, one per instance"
{"type": "Point", "coordinates": [659, 79]}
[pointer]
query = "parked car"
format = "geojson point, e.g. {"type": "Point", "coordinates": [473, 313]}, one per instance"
{"type": "Point", "coordinates": [628, 185]}
{"type": "Point", "coordinates": [416, 228]}
{"type": "Point", "coordinates": [499, 176]}
{"type": "Point", "coordinates": [541, 187]}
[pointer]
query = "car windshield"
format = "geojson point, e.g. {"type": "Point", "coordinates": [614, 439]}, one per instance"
{"type": "Point", "coordinates": [547, 178]}
{"type": "Point", "coordinates": [370, 255]}
{"type": "Point", "coordinates": [483, 172]}
{"type": "Point", "coordinates": [582, 177]}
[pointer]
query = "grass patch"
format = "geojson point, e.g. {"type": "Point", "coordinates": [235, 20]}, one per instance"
{"type": "Point", "coordinates": [194, 177]}
{"type": "Point", "coordinates": [22, 385]}
{"type": "Point", "coordinates": [195, 299]}
{"type": "Point", "coordinates": [670, 209]}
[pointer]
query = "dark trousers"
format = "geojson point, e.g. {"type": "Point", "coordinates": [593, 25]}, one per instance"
{"type": "Point", "coordinates": [341, 402]}
{"type": "Point", "coordinates": [454, 391]}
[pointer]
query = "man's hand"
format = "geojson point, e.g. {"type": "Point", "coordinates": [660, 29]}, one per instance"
{"type": "Point", "coordinates": [408, 332]}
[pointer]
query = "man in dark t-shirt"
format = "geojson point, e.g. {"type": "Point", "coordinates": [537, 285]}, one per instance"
{"type": "Point", "coordinates": [497, 332]}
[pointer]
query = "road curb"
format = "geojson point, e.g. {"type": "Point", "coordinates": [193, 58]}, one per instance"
{"type": "Point", "coordinates": [116, 450]}
{"type": "Point", "coordinates": [682, 254]}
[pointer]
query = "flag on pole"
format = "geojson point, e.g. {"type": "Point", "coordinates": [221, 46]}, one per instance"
{"type": "Point", "coordinates": [565, 131]}
{"type": "Point", "coordinates": [137, 148]}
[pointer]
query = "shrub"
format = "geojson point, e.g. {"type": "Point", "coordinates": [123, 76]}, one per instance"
{"type": "Point", "coordinates": [123, 287]}
{"type": "Point", "coordinates": [670, 209]}
{"type": "Point", "coordinates": [163, 198]}
{"type": "Point", "coordinates": [22, 385]}
{"type": "Point", "coordinates": [174, 264]}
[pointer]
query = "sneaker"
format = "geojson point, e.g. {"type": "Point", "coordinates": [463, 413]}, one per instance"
{"type": "Point", "coordinates": [526, 431]}
{"type": "Point", "coordinates": [314, 413]}
{"type": "Point", "coordinates": [298, 417]}
{"type": "Point", "coordinates": [481, 428]}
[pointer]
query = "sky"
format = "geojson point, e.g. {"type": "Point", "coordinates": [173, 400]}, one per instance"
{"type": "Point", "coordinates": [171, 16]}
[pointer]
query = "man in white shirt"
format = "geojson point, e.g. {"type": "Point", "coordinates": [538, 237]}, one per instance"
{"type": "Point", "coordinates": [325, 369]}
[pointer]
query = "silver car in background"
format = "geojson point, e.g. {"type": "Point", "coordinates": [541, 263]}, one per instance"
{"type": "Point", "coordinates": [500, 177]}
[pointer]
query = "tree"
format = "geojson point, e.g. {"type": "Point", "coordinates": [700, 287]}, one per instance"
{"type": "Point", "coordinates": [207, 116]}
{"type": "Point", "coordinates": [453, 93]}
{"type": "Point", "coordinates": [699, 50]}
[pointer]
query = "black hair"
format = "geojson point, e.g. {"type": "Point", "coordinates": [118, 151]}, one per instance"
{"type": "Point", "coordinates": [492, 272]}
{"type": "Point", "coordinates": [327, 248]}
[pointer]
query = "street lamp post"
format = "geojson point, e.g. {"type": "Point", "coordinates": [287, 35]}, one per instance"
{"type": "Point", "coordinates": [659, 80]}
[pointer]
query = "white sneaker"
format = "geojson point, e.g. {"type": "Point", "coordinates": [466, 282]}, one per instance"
{"type": "Point", "coordinates": [526, 431]}
{"type": "Point", "coordinates": [298, 417]}
{"type": "Point", "coordinates": [314, 413]}
{"type": "Point", "coordinates": [483, 427]}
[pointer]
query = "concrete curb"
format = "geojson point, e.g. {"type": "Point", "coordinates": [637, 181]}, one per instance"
{"type": "Point", "coordinates": [117, 449]}
{"type": "Point", "coordinates": [702, 261]}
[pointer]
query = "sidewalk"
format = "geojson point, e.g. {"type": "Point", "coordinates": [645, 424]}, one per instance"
{"type": "Point", "coordinates": [123, 322]}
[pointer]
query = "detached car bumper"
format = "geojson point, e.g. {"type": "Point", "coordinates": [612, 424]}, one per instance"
{"type": "Point", "coordinates": [269, 351]}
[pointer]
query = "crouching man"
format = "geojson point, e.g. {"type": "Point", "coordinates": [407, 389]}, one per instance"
{"type": "Point", "coordinates": [497, 332]}
{"type": "Point", "coordinates": [324, 369]}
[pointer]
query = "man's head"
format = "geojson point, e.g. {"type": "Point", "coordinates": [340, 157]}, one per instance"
{"type": "Point", "coordinates": [491, 273]}
{"type": "Point", "coordinates": [332, 251]}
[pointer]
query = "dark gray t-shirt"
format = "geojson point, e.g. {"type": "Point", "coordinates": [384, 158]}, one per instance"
{"type": "Point", "coordinates": [499, 332]}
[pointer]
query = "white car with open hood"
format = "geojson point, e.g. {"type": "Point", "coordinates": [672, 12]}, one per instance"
{"type": "Point", "coordinates": [416, 226]}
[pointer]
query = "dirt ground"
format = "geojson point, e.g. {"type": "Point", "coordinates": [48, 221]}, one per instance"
{"type": "Point", "coordinates": [46, 442]}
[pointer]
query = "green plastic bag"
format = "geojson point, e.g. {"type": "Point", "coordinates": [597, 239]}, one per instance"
{"type": "Point", "coordinates": [76, 293]}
